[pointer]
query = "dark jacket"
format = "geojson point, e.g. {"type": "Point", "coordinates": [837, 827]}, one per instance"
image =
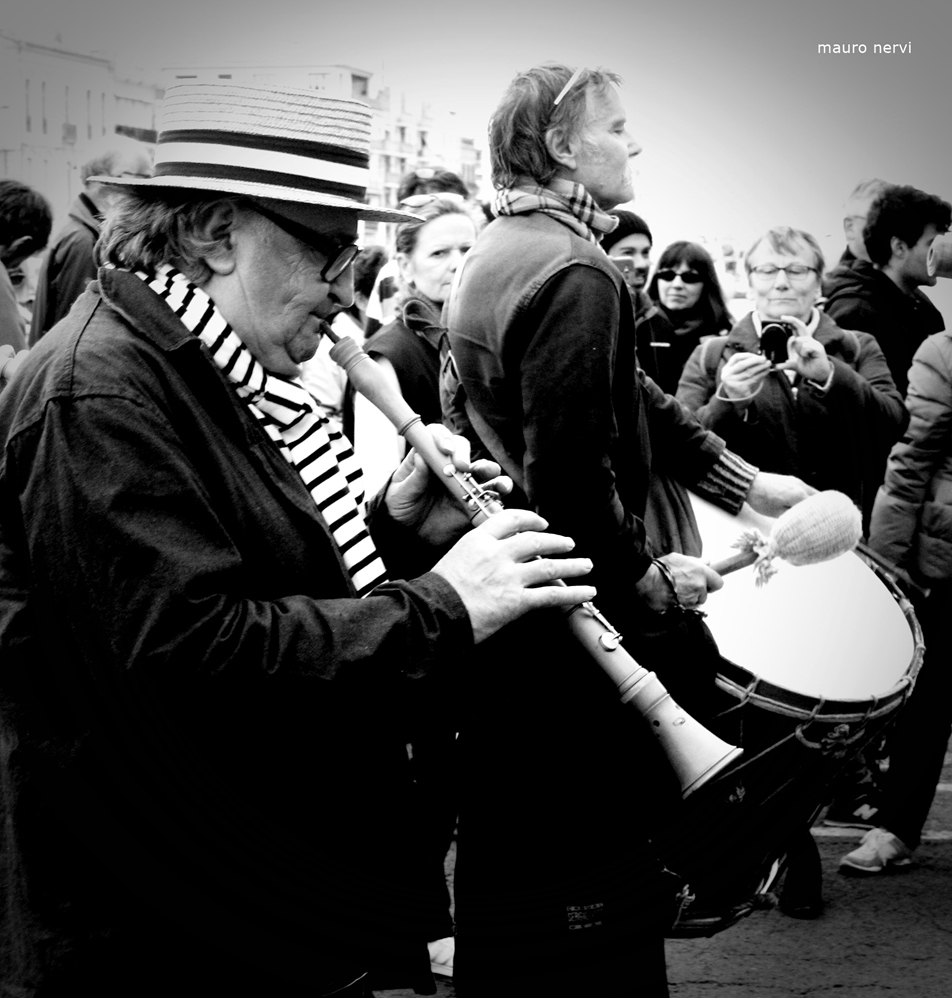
{"type": "Point", "coordinates": [835, 439]}
{"type": "Point", "coordinates": [861, 297]}
{"type": "Point", "coordinates": [69, 266]}
{"type": "Point", "coordinates": [208, 719]}
{"type": "Point", "coordinates": [411, 343]}
{"type": "Point", "coordinates": [543, 334]}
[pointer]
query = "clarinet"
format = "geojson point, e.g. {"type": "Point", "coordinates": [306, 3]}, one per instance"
{"type": "Point", "coordinates": [695, 753]}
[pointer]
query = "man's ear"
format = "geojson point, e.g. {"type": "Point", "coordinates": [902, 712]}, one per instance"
{"type": "Point", "coordinates": [899, 248]}
{"type": "Point", "coordinates": [562, 148]}
{"type": "Point", "coordinates": [218, 227]}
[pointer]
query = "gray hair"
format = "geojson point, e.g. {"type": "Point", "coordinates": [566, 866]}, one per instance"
{"type": "Point", "coordinates": [144, 230]}
{"type": "Point", "coordinates": [784, 239]}
{"type": "Point", "coordinates": [528, 111]}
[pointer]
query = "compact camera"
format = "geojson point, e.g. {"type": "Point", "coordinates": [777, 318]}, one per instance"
{"type": "Point", "coordinates": [773, 341]}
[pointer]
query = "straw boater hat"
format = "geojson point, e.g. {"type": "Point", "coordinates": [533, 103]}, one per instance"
{"type": "Point", "coordinates": [297, 147]}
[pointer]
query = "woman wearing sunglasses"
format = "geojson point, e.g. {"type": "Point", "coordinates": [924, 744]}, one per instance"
{"type": "Point", "coordinates": [687, 290]}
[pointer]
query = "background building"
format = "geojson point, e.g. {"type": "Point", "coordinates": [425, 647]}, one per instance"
{"type": "Point", "coordinates": [56, 108]}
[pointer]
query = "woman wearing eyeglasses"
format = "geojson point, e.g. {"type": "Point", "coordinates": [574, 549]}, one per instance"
{"type": "Point", "coordinates": [788, 389]}
{"type": "Point", "coordinates": [687, 290]}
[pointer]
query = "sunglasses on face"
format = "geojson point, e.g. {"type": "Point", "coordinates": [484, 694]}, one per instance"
{"type": "Point", "coordinates": [688, 277]}
{"type": "Point", "coordinates": [339, 256]}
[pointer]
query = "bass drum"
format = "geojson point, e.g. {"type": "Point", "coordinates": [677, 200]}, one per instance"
{"type": "Point", "coordinates": [814, 665]}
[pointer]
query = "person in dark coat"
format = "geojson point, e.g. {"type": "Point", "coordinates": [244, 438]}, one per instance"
{"type": "Point", "coordinates": [208, 638]}
{"type": "Point", "coordinates": [71, 263]}
{"type": "Point", "coordinates": [686, 287]}
{"type": "Point", "coordinates": [883, 297]}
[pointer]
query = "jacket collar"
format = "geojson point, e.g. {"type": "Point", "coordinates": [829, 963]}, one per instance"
{"type": "Point", "coordinates": [143, 310]}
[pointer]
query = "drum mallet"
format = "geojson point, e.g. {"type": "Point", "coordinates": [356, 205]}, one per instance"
{"type": "Point", "coordinates": [819, 528]}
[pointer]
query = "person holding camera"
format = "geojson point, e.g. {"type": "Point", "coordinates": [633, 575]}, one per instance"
{"type": "Point", "coordinates": [788, 389]}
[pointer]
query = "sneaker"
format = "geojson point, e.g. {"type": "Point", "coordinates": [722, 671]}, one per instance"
{"type": "Point", "coordinates": [859, 812]}
{"type": "Point", "coordinates": [877, 849]}
{"type": "Point", "coordinates": [442, 952]}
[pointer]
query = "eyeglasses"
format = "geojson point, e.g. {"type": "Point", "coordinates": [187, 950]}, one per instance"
{"type": "Point", "coordinates": [419, 200]}
{"type": "Point", "coordinates": [794, 271]}
{"type": "Point", "coordinates": [689, 276]}
{"type": "Point", "coordinates": [339, 256]}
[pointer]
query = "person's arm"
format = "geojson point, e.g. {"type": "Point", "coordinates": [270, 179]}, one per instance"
{"type": "Point", "coordinates": [112, 498]}
{"type": "Point", "coordinates": [567, 374]}
{"type": "Point", "coordinates": [914, 460]}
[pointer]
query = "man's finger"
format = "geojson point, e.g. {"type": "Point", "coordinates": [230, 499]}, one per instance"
{"type": "Point", "coordinates": [510, 522]}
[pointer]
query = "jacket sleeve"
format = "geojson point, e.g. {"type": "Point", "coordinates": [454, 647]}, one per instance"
{"type": "Point", "coordinates": [871, 384]}
{"type": "Point", "coordinates": [129, 545]}
{"type": "Point", "coordinates": [915, 459]}
{"type": "Point", "coordinates": [567, 373]}
{"type": "Point", "coordinates": [697, 390]}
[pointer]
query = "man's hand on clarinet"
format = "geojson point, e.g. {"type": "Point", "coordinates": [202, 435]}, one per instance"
{"type": "Point", "coordinates": [507, 566]}
{"type": "Point", "coordinates": [416, 500]}
{"type": "Point", "coordinates": [677, 581]}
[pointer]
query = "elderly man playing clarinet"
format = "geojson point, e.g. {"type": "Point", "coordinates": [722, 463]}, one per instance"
{"type": "Point", "coordinates": [207, 639]}
{"type": "Point", "coordinates": [556, 871]}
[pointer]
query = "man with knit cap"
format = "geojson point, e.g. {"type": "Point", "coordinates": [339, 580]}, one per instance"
{"type": "Point", "coordinates": [209, 639]}
{"type": "Point", "coordinates": [632, 240]}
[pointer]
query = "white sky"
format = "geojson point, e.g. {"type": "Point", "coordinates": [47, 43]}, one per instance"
{"type": "Point", "coordinates": [743, 124]}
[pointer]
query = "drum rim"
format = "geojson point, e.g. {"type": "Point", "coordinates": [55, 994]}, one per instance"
{"type": "Point", "coordinates": [748, 687]}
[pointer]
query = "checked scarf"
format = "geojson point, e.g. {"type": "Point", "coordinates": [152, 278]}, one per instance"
{"type": "Point", "coordinates": [575, 208]}
{"type": "Point", "coordinates": [292, 418]}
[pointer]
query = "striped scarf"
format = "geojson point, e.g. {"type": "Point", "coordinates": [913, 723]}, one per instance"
{"type": "Point", "coordinates": [294, 420]}
{"type": "Point", "coordinates": [575, 208]}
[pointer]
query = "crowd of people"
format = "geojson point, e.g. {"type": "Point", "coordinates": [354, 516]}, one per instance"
{"type": "Point", "coordinates": [260, 668]}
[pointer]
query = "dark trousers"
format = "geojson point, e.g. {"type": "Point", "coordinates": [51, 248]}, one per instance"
{"type": "Point", "coordinates": [918, 741]}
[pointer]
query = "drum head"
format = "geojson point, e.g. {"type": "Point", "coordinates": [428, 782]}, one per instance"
{"type": "Point", "coordinates": [830, 631]}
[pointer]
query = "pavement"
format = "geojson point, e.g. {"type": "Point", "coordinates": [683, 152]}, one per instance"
{"type": "Point", "coordinates": [882, 936]}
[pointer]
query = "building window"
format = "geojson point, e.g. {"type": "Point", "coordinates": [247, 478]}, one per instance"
{"type": "Point", "coordinates": [359, 86]}
{"type": "Point", "coordinates": [43, 105]}
{"type": "Point", "coordinates": [227, 76]}
{"type": "Point", "coordinates": [102, 100]}
{"type": "Point", "coordinates": [29, 120]}
{"type": "Point", "coordinates": [402, 133]}
{"type": "Point", "coordinates": [89, 116]}
{"type": "Point", "coordinates": [186, 76]}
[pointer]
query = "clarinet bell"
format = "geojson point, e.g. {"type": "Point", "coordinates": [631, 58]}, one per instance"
{"type": "Point", "coordinates": [695, 754]}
